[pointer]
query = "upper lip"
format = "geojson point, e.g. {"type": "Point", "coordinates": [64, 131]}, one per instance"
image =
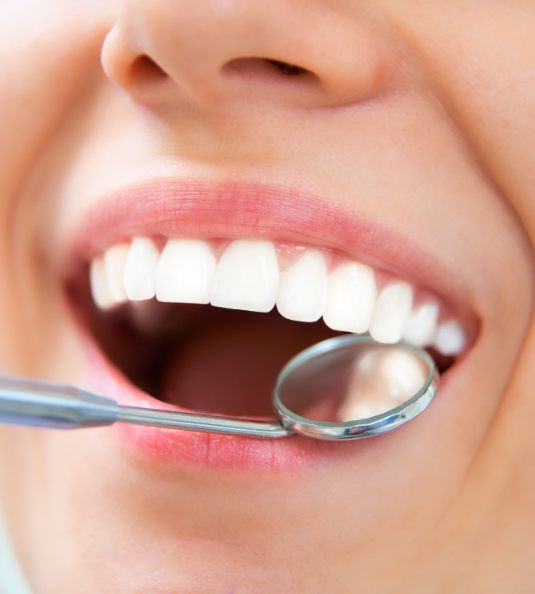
{"type": "Point", "coordinates": [229, 209]}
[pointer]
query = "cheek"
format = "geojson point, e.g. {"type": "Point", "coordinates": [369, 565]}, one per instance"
{"type": "Point", "coordinates": [500, 123]}
{"type": "Point", "coordinates": [48, 57]}
{"type": "Point", "coordinates": [488, 88]}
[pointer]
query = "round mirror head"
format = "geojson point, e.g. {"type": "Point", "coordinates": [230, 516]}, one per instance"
{"type": "Point", "coordinates": [351, 386]}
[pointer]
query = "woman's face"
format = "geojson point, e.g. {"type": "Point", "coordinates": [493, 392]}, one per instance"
{"type": "Point", "coordinates": [404, 142]}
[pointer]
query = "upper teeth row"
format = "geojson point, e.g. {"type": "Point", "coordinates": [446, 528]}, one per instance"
{"type": "Point", "coordinates": [247, 276]}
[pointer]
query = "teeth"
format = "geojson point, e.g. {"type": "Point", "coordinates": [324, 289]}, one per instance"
{"type": "Point", "coordinates": [99, 284]}
{"type": "Point", "coordinates": [402, 373]}
{"type": "Point", "coordinates": [303, 288]}
{"type": "Point", "coordinates": [247, 276]}
{"type": "Point", "coordinates": [114, 264]}
{"type": "Point", "coordinates": [140, 269]}
{"type": "Point", "coordinates": [381, 381]}
{"type": "Point", "coordinates": [421, 326]}
{"type": "Point", "coordinates": [185, 272]}
{"type": "Point", "coordinates": [450, 338]}
{"type": "Point", "coordinates": [351, 298]}
{"type": "Point", "coordinates": [391, 312]}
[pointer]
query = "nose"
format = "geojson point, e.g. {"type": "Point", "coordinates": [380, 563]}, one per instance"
{"type": "Point", "coordinates": [299, 53]}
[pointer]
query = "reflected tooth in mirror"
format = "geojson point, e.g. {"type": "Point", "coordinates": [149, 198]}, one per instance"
{"type": "Point", "coordinates": [403, 374]}
{"type": "Point", "coordinates": [391, 312]}
{"type": "Point", "coordinates": [140, 269]}
{"type": "Point", "coordinates": [99, 284]}
{"type": "Point", "coordinates": [382, 379]}
{"type": "Point", "coordinates": [351, 411]}
{"type": "Point", "coordinates": [185, 272]}
{"type": "Point", "coordinates": [247, 276]}
{"type": "Point", "coordinates": [114, 264]}
{"type": "Point", "coordinates": [351, 297]}
{"type": "Point", "coordinates": [421, 327]}
{"type": "Point", "coordinates": [450, 338]}
{"type": "Point", "coordinates": [303, 288]}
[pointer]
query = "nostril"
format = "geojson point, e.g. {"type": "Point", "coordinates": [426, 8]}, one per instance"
{"type": "Point", "coordinates": [145, 70]}
{"type": "Point", "coordinates": [288, 69]}
{"type": "Point", "coordinates": [267, 68]}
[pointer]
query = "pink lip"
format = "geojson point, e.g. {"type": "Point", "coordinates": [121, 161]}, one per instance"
{"type": "Point", "coordinates": [185, 208]}
{"type": "Point", "coordinates": [232, 210]}
{"type": "Point", "coordinates": [168, 446]}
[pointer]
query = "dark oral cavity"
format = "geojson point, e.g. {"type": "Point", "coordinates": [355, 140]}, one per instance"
{"type": "Point", "coordinates": [200, 357]}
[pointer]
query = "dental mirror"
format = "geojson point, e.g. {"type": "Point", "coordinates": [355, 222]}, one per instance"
{"type": "Point", "coordinates": [346, 387]}
{"type": "Point", "coordinates": [351, 387]}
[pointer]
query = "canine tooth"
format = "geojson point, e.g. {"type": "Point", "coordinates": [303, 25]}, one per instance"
{"type": "Point", "coordinates": [391, 312]}
{"type": "Point", "coordinates": [351, 297]}
{"type": "Point", "coordinates": [114, 264]}
{"type": "Point", "coordinates": [303, 288]}
{"type": "Point", "coordinates": [140, 269]}
{"type": "Point", "coordinates": [450, 338]}
{"type": "Point", "coordinates": [247, 276]}
{"type": "Point", "coordinates": [420, 328]}
{"type": "Point", "coordinates": [99, 284]}
{"type": "Point", "coordinates": [185, 272]}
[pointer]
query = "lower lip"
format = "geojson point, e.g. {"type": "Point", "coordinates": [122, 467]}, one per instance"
{"type": "Point", "coordinates": [175, 447]}
{"type": "Point", "coordinates": [160, 448]}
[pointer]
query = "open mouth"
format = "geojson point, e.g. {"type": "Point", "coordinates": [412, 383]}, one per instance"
{"type": "Point", "coordinates": [152, 313]}
{"type": "Point", "coordinates": [206, 323]}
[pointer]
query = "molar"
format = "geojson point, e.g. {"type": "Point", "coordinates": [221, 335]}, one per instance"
{"type": "Point", "coordinates": [450, 338]}
{"type": "Point", "coordinates": [421, 327]}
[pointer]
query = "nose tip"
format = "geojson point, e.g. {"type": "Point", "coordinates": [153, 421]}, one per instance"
{"type": "Point", "coordinates": [285, 52]}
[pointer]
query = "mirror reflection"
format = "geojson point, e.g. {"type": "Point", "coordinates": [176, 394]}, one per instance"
{"type": "Point", "coordinates": [357, 382]}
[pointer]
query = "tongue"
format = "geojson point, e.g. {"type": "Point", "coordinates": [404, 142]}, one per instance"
{"type": "Point", "coordinates": [229, 365]}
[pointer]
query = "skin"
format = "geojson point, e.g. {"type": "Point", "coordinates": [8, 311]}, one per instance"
{"type": "Point", "coordinates": [422, 116]}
